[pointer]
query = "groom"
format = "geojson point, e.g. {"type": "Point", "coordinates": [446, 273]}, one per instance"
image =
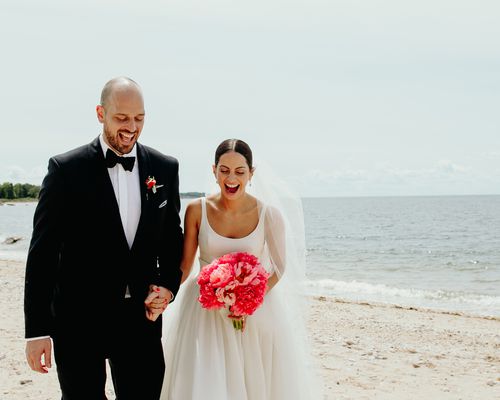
{"type": "Point", "coordinates": [106, 231]}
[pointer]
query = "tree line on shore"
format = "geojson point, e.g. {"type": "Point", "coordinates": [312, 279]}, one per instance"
{"type": "Point", "coordinates": [13, 191]}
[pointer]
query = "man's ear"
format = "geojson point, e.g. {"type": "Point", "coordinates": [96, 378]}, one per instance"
{"type": "Point", "coordinates": [100, 113]}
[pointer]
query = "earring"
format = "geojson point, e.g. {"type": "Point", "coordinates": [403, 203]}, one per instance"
{"type": "Point", "coordinates": [250, 183]}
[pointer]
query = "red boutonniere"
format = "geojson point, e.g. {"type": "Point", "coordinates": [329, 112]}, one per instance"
{"type": "Point", "coordinates": [151, 184]}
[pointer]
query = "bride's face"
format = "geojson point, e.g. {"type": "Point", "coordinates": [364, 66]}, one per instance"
{"type": "Point", "coordinates": [232, 174]}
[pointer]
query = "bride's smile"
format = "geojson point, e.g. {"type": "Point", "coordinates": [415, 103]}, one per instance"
{"type": "Point", "coordinates": [232, 174]}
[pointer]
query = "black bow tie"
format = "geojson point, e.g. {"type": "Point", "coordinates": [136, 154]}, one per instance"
{"type": "Point", "coordinates": [112, 158]}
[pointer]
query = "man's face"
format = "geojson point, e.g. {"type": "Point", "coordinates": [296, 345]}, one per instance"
{"type": "Point", "coordinates": [123, 118]}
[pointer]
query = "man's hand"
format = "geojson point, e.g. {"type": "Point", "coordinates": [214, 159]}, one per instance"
{"type": "Point", "coordinates": [157, 301]}
{"type": "Point", "coordinates": [39, 354]}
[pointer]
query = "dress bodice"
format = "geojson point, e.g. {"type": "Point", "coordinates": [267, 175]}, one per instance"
{"type": "Point", "coordinates": [212, 245]}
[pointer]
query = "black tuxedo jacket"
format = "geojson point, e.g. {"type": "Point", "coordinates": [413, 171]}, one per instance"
{"type": "Point", "coordinates": [79, 263]}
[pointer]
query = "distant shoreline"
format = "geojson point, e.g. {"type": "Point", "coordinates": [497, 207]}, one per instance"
{"type": "Point", "coordinates": [195, 195]}
{"type": "Point", "coordinates": [191, 195]}
{"type": "Point", "coordinates": [22, 200]}
{"type": "Point", "coordinates": [186, 195]}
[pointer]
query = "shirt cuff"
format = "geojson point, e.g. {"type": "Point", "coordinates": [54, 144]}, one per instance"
{"type": "Point", "coordinates": [36, 338]}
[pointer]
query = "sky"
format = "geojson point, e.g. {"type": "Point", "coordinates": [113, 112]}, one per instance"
{"type": "Point", "coordinates": [340, 97]}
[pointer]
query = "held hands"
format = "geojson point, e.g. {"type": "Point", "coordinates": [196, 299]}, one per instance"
{"type": "Point", "coordinates": [39, 354]}
{"type": "Point", "coordinates": [157, 301]}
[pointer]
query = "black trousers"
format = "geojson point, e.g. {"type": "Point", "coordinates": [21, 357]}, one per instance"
{"type": "Point", "coordinates": [134, 352]}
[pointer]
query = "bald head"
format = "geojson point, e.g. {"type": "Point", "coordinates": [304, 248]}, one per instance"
{"type": "Point", "coordinates": [122, 113]}
{"type": "Point", "coordinates": [119, 85]}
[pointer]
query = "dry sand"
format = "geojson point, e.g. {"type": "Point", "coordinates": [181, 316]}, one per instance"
{"type": "Point", "coordinates": [364, 351]}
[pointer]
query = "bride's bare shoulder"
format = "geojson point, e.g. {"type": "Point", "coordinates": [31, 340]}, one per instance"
{"type": "Point", "coordinates": [193, 209]}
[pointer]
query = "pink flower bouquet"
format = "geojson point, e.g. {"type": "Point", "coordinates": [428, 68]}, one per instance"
{"type": "Point", "coordinates": [236, 281]}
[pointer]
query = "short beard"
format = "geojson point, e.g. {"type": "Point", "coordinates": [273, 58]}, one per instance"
{"type": "Point", "coordinates": [111, 141]}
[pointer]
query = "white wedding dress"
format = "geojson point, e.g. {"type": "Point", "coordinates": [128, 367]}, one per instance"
{"type": "Point", "coordinates": [207, 359]}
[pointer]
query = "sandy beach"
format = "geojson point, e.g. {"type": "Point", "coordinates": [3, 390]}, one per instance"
{"type": "Point", "coordinates": [364, 351]}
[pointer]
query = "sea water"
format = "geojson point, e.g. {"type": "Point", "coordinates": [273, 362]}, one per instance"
{"type": "Point", "coordinates": [439, 252]}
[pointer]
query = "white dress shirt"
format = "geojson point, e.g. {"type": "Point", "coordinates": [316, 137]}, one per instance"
{"type": "Point", "coordinates": [127, 193]}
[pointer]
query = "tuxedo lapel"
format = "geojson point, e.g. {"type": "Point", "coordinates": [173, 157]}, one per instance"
{"type": "Point", "coordinates": [144, 163]}
{"type": "Point", "coordinates": [107, 198]}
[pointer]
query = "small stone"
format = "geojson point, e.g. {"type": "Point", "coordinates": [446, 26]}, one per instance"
{"type": "Point", "coordinates": [25, 381]}
{"type": "Point", "coordinates": [12, 239]}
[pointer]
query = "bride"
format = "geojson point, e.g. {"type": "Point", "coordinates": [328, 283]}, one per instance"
{"type": "Point", "coordinates": [205, 357]}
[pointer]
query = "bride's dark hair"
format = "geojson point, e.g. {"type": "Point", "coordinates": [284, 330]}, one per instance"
{"type": "Point", "coordinates": [237, 145]}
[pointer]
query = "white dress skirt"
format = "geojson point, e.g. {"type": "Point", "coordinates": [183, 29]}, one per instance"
{"type": "Point", "coordinates": [206, 358]}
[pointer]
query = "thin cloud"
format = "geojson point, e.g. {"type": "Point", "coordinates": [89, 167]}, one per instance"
{"type": "Point", "coordinates": [17, 174]}
{"type": "Point", "coordinates": [445, 177]}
